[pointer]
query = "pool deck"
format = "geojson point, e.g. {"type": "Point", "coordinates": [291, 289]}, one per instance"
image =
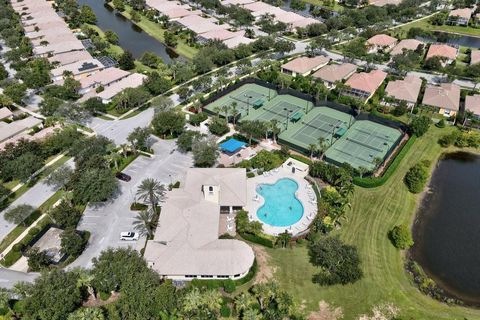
{"type": "Point", "coordinates": [309, 207]}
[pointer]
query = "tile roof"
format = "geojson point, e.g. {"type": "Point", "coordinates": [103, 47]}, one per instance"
{"type": "Point", "coordinates": [335, 72]}
{"type": "Point", "coordinates": [447, 95]}
{"type": "Point", "coordinates": [70, 57]}
{"type": "Point", "coordinates": [407, 44]}
{"type": "Point", "coordinates": [221, 34]}
{"type": "Point", "coordinates": [475, 57]}
{"type": "Point", "coordinates": [465, 13]}
{"type": "Point", "coordinates": [186, 241]}
{"type": "Point", "coordinates": [367, 82]}
{"type": "Point", "coordinates": [406, 90]}
{"type": "Point", "coordinates": [442, 50]}
{"type": "Point", "coordinates": [302, 23]}
{"type": "Point", "coordinates": [305, 64]}
{"type": "Point", "coordinates": [103, 77]}
{"type": "Point", "coordinates": [5, 113]}
{"type": "Point", "coordinates": [78, 67]}
{"type": "Point", "coordinates": [235, 41]}
{"type": "Point", "coordinates": [382, 40]}
{"type": "Point", "coordinates": [132, 81]}
{"type": "Point", "coordinates": [199, 24]}
{"type": "Point", "coordinates": [472, 103]}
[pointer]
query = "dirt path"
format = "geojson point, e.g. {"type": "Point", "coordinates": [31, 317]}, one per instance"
{"type": "Point", "coordinates": [326, 312]}
{"type": "Point", "coordinates": [91, 302]}
{"type": "Point", "coordinates": [264, 270]}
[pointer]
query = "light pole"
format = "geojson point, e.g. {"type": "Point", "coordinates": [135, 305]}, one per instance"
{"type": "Point", "coordinates": [248, 103]}
{"type": "Point", "coordinates": [288, 116]}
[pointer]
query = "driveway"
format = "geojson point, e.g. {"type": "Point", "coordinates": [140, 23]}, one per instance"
{"type": "Point", "coordinates": [35, 197]}
{"type": "Point", "coordinates": [8, 278]}
{"type": "Point", "coordinates": [118, 130]}
{"type": "Point", "coordinates": [105, 222]}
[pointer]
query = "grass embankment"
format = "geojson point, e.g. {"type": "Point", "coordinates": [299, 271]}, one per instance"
{"type": "Point", "coordinates": [374, 212]}
{"type": "Point", "coordinates": [155, 30]}
{"type": "Point", "coordinates": [424, 24]}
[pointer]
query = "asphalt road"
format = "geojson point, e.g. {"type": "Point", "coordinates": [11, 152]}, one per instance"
{"type": "Point", "coordinates": [105, 222]}
{"type": "Point", "coordinates": [118, 130]}
{"type": "Point", "coordinates": [8, 278]}
{"type": "Point", "coordinates": [35, 196]}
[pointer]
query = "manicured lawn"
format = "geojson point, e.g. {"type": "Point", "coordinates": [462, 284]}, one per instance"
{"type": "Point", "coordinates": [156, 31]}
{"type": "Point", "coordinates": [424, 24]}
{"type": "Point", "coordinates": [336, 6]}
{"type": "Point", "coordinates": [373, 213]}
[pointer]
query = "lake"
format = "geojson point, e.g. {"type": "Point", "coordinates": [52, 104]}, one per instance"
{"type": "Point", "coordinates": [447, 227]}
{"type": "Point", "coordinates": [455, 39]}
{"type": "Point", "coordinates": [131, 37]}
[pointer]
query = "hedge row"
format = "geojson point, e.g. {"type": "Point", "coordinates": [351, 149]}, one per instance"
{"type": "Point", "coordinates": [270, 243]}
{"type": "Point", "coordinates": [372, 182]}
{"type": "Point", "coordinates": [301, 159]}
{"type": "Point", "coordinates": [17, 250]}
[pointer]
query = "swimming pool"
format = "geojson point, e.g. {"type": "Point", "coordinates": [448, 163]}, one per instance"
{"type": "Point", "coordinates": [281, 207]}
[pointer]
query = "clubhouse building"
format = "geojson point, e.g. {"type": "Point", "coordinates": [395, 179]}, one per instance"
{"type": "Point", "coordinates": [186, 244]}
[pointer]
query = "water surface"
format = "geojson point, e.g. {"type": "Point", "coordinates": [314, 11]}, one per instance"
{"type": "Point", "coordinates": [447, 228]}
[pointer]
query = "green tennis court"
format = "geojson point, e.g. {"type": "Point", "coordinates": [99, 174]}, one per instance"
{"type": "Point", "coordinates": [320, 122]}
{"type": "Point", "coordinates": [364, 145]}
{"type": "Point", "coordinates": [246, 99]}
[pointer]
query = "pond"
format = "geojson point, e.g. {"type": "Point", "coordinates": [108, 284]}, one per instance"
{"type": "Point", "coordinates": [131, 37]}
{"type": "Point", "coordinates": [455, 39]}
{"type": "Point", "coordinates": [447, 228]}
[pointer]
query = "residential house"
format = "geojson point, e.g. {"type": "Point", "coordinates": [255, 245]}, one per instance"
{"type": "Point", "coordinates": [78, 70]}
{"type": "Point", "coordinates": [445, 97]}
{"type": "Point", "coordinates": [5, 113]}
{"type": "Point", "coordinates": [474, 57]}
{"type": "Point", "coordinates": [186, 244]}
{"type": "Point", "coordinates": [472, 103]}
{"type": "Point", "coordinates": [134, 80]}
{"type": "Point", "coordinates": [406, 44]}
{"type": "Point", "coordinates": [446, 52]}
{"type": "Point", "coordinates": [303, 66]}
{"type": "Point", "coordinates": [102, 78]}
{"type": "Point", "coordinates": [363, 85]}
{"type": "Point", "coordinates": [380, 42]}
{"type": "Point", "coordinates": [8, 130]}
{"type": "Point", "coordinates": [333, 73]}
{"type": "Point", "coordinates": [69, 57]}
{"type": "Point", "coordinates": [406, 90]}
{"type": "Point", "coordinates": [460, 17]}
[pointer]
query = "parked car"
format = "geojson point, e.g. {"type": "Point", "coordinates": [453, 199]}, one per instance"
{"type": "Point", "coordinates": [129, 236]}
{"type": "Point", "coordinates": [122, 176]}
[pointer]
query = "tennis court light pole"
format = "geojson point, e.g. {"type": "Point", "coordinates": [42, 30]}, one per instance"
{"type": "Point", "coordinates": [248, 103]}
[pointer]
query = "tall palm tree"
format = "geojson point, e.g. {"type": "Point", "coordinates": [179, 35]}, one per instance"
{"type": "Point", "coordinates": [226, 111]}
{"type": "Point", "coordinates": [312, 148]}
{"type": "Point", "coordinates": [243, 302]}
{"type": "Point", "coordinates": [114, 157]}
{"type": "Point", "coordinates": [152, 191]}
{"type": "Point", "coordinates": [85, 280]}
{"type": "Point", "coordinates": [234, 111]}
{"type": "Point", "coordinates": [322, 146]}
{"type": "Point", "coordinates": [144, 224]}
{"type": "Point", "coordinates": [275, 129]}
{"type": "Point", "coordinates": [251, 314]}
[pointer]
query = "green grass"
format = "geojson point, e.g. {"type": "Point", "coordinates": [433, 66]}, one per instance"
{"type": "Point", "coordinates": [374, 212]}
{"type": "Point", "coordinates": [424, 24]}
{"type": "Point", "coordinates": [336, 6]}
{"type": "Point", "coordinates": [113, 49]}
{"type": "Point", "coordinates": [156, 31]}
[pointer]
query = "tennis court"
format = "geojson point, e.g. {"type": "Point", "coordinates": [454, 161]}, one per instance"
{"type": "Point", "coordinates": [279, 108]}
{"type": "Point", "coordinates": [364, 144]}
{"type": "Point", "coordinates": [320, 122]}
{"type": "Point", "coordinates": [247, 98]}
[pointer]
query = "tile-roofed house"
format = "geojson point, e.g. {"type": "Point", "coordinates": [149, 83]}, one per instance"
{"type": "Point", "coordinates": [132, 81]}
{"type": "Point", "coordinates": [12, 129]}
{"type": "Point", "coordinates": [199, 24]}
{"type": "Point", "coordinates": [445, 97]}
{"type": "Point", "coordinates": [186, 243]}
{"type": "Point", "coordinates": [102, 78]}
{"type": "Point", "coordinates": [364, 84]}
{"type": "Point", "coordinates": [460, 17]}
{"type": "Point", "coordinates": [304, 65]}
{"type": "Point", "coordinates": [406, 44]}
{"type": "Point", "coordinates": [237, 2]}
{"type": "Point", "coordinates": [302, 23]}
{"type": "Point", "coordinates": [78, 69]}
{"type": "Point", "coordinates": [472, 103]}
{"type": "Point", "coordinates": [69, 57]}
{"type": "Point", "coordinates": [444, 51]}
{"type": "Point", "coordinates": [56, 48]}
{"type": "Point", "coordinates": [475, 56]}
{"type": "Point", "coordinates": [381, 3]}
{"type": "Point", "coordinates": [236, 41]}
{"type": "Point", "coordinates": [381, 42]}
{"type": "Point", "coordinates": [219, 35]}
{"type": "Point", "coordinates": [405, 90]}
{"type": "Point", "coordinates": [335, 72]}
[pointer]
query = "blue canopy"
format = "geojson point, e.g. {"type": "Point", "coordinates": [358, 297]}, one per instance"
{"type": "Point", "coordinates": [232, 145]}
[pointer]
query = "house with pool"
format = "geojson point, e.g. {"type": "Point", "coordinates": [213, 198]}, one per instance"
{"type": "Point", "coordinates": [186, 244]}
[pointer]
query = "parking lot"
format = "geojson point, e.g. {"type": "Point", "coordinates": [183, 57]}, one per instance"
{"type": "Point", "coordinates": [106, 222]}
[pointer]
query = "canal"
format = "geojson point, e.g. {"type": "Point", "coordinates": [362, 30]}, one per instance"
{"type": "Point", "coordinates": [131, 37]}
{"type": "Point", "coordinates": [447, 227]}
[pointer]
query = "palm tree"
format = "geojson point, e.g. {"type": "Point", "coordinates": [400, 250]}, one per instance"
{"type": "Point", "coordinates": [115, 158]}
{"type": "Point", "coordinates": [217, 109]}
{"type": "Point", "coordinates": [264, 292]}
{"type": "Point", "coordinates": [275, 129]}
{"type": "Point", "coordinates": [346, 189]}
{"type": "Point", "coordinates": [234, 111]}
{"type": "Point", "coordinates": [144, 224]}
{"type": "Point", "coordinates": [85, 280]}
{"type": "Point", "coordinates": [251, 314]}
{"type": "Point", "coordinates": [361, 171]}
{"type": "Point", "coordinates": [124, 148]}
{"type": "Point", "coordinates": [152, 191]}
{"type": "Point", "coordinates": [312, 148]}
{"type": "Point", "coordinates": [284, 239]}
{"type": "Point", "coordinates": [243, 302]}
{"type": "Point", "coordinates": [322, 147]}
{"type": "Point", "coordinates": [226, 111]}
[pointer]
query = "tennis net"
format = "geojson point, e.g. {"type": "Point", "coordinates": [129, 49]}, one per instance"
{"type": "Point", "coordinates": [364, 144]}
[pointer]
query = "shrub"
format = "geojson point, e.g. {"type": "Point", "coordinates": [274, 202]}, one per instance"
{"type": "Point", "coordinates": [218, 127]}
{"type": "Point", "coordinates": [440, 124]}
{"type": "Point", "coordinates": [401, 237]}
{"type": "Point", "coordinates": [33, 231]}
{"type": "Point", "coordinates": [104, 295]}
{"type": "Point", "coordinates": [18, 247]}
{"type": "Point", "coordinates": [225, 311]}
{"type": "Point", "coordinates": [417, 176]}
{"type": "Point", "coordinates": [419, 125]}
{"type": "Point", "coordinates": [11, 257]}
{"type": "Point", "coordinates": [229, 286]}
{"type": "Point", "coordinates": [135, 206]}
{"type": "Point", "coordinates": [250, 174]}
{"type": "Point", "coordinates": [196, 119]}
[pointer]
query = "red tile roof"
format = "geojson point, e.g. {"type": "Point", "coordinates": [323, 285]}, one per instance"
{"type": "Point", "coordinates": [442, 50]}
{"type": "Point", "coordinates": [367, 82]}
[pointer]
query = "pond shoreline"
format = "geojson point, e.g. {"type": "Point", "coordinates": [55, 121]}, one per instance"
{"type": "Point", "coordinates": [432, 214]}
